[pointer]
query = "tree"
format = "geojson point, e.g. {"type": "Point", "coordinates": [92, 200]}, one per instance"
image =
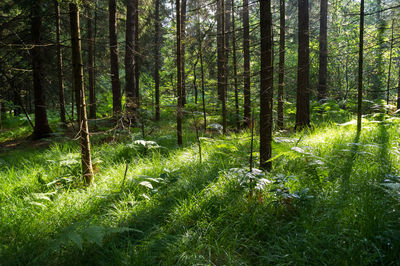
{"type": "Point", "coordinates": [266, 86]}
{"type": "Point", "coordinates": [183, 37]}
{"type": "Point", "coordinates": [221, 43]}
{"type": "Point", "coordinates": [131, 63]}
{"type": "Point", "coordinates": [246, 65]}
{"type": "Point", "coordinates": [303, 69]}
{"type": "Point", "coordinates": [323, 50]}
{"type": "Point", "coordinates": [360, 66]}
{"type": "Point", "coordinates": [77, 68]}
{"type": "Point", "coordinates": [59, 63]}
{"type": "Point", "coordinates": [42, 128]}
{"type": "Point", "coordinates": [92, 94]}
{"type": "Point", "coordinates": [281, 84]}
{"type": "Point", "coordinates": [179, 73]}
{"type": "Point", "coordinates": [115, 82]}
{"type": "Point", "coordinates": [235, 72]}
{"type": "Point", "coordinates": [157, 58]}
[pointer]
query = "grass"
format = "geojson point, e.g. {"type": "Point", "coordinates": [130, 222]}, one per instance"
{"type": "Point", "coordinates": [332, 198]}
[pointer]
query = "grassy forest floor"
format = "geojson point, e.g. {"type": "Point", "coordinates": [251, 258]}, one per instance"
{"type": "Point", "coordinates": [332, 198]}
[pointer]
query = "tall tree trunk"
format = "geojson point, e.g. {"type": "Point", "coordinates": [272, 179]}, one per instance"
{"type": "Point", "coordinates": [246, 64]}
{"type": "Point", "coordinates": [323, 50]}
{"type": "Point", "coordinates": [92, 95]}
{"type": "Point", "coordinates": [179, 73]}
{"type": "Point", "coordinates": [390, 68]}
{"type": "Point", "coordinates": [137, 51]}
{"type": "Point", "coordinates": [195, 80]}
{"type": "Point", "coordinates": [115, 82]}
{"type": "Point", "coordinates": [157, 58]}
{"type": "Point", "coordinates": [77, 68]}
{"type": "Point", "coordinates": [222, 59]}
{"type": "Point", "coordinates": [235, 84]}
{"type": "Point", "coordinates": [266, 86]}
{"type": "Point", "coordinates": [360, 66]}
{"type": "Point", "coordinates": [183, 37]}
{"type": "Point", "coordinates": [303, 69]}
{"type": "Point", "coordinates": [60, 63]}
{"type": "Point", "coordinates": [281, 81]}
{"type": "Point", "coordinates": [130, 63]}
{"type": "Point", "coordinates": [202, 77]}
{"type": "Point", "coordinates": [42, 128]}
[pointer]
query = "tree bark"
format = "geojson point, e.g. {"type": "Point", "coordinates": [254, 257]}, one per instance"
{"type": "Point", "coordinates": [323, 50]}
{"type": "Point", "coordinates": [157, 58]}
{"type": "Point", "coordinates": [235, 74]}
{"type": "Point", "coordinates": [183, 37]}
{"type": "Point", "coordinates": [77, 67]}
{"type": "Point", "coordinates": [42, 128]}
{"type": "Point", "coordinates": [246, 65]}
{"type": "Point", "coordinates": [131, 63]}
{"type": "Point", "coordinates": [115, 81]}
{"type": "Point", "coordinates": [202, 77]}
{"type": "Point", "coordinates": [60, 63]}
{"type": "Point", "coordinates": [303, 69]}
{"type": "Point", "coordinates": [360, 66]}
{"type": "Point", "coordinates": [222, 59]}
{"type": "Point", "coordinates": [266, 86]}
{"type": "Point", "coordinates": [179, 73]}
{"type": "Point", "coordinates": [137, 56]}
{"type": "Point", "coordinates": [281, 81]}
{"type": "Point", "coordinates": [92, 96]}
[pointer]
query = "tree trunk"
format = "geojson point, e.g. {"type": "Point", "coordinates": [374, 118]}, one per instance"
{"type": "Point", "coordinates": [60, 64]}
{"type": "Point", "coordinates": [92, 96]}
{"type": "Point", "coordinates": [281, 81]}
{"type": "Point", "coordinates": [179, 73]}
{"type": "Point", "coordinates": [323, 50]}
{"type": "Point", "coordinates": [222, 59]}
{"type": "Point", "coordinates": [195, 80]}
{"type": "Point", "coordinates": [266, 86]}
{"type": "Point", "coordinates": [235, 67]}
{"type": "Point", "coordinates": [303, 71]}
{"type": "Point", "coordinates": [77, 68]}
{"type": "Point", "coordinates": [377, 88]}
{"type": "Point", "coordinates": [115, 82]}
{"type": "Point", "coordinates": [246, 64]}
{"type": "Point", "coordinates": [42, 128]}
{"type": "Point", "coordinates": [137, 57]}
{"type": "Point", "coordinates": [360, 66]}
{"type": "Point", "coordinates": [157, 58]}
{"type": "Point", "coordinates": [202, 79]}
{"type": "Point", "coordinates": [130, 62]}
{"type": "Point", "coordinates": [183, 37]}
{"type": "Point", "coordinates": [390, 68]}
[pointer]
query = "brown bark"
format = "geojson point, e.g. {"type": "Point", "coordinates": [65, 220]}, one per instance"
{"type": "Point", "coordinates": [179, 73]}
{"type": "Point", "coordinates": [77, 68]}
{"type": "Point", "coordinates": [323, 50]}
{"type": "Point", "coordinates": [115, 81]}
{"type": "Point", "coordinates": [266, 86]}
{"type": "Point", "coordinates": [42, 128]}
{"type": "Point", "coordinates": [92, 95]}
{"type": "Point", "coordinates": [183, 37]}
{"type": "Point", "coordinates": [281, 81]}
{"type": "Point", "coordinates": [137, 57]}
{"type": "Point", "coordinates": [157, 59]}
{"type": "Point", "coordinates": [246, 65]}
{"type": "Point", "coordinates": [235, 84]}
{"type": "Point", "coordinates": [131, 63]}
{"type": "Point", "coordinates": [360, 66]}
{"type": "Point", "coordinates": [303, 69]}
{"type": "Point", "coordinates": [60, 64]}
{"type": "Point", "coordinates": [222, 59]}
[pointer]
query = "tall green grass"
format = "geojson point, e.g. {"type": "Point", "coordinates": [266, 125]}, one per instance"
{"type": "Point", "coordinates": [332, 198]}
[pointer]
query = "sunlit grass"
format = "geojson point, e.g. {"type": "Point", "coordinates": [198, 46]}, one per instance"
{"type": "Point", "coordinates": [198, 212]}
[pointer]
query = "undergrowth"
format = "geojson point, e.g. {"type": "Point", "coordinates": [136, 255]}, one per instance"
{"type": "Point", "coordinates": [332, 198]}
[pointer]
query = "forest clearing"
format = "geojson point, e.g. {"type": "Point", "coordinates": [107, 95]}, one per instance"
{"type": "Point", "coordinates": [227, 132]}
